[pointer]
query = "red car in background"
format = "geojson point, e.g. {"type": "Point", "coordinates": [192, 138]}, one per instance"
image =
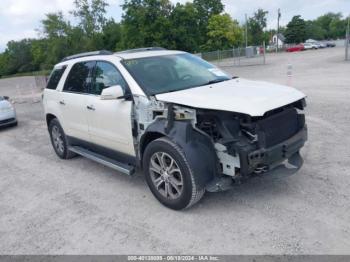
{"type": "Point", "coordinates": [296, 48]}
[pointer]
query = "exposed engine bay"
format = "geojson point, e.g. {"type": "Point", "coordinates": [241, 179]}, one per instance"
{"type": "Point", "coordinates": [243, 144]}
{"type": "Point", "coordinates": [241, 141]}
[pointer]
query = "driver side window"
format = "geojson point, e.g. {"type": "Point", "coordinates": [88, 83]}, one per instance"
{"type": "Point", "coordinates": [106, 75]}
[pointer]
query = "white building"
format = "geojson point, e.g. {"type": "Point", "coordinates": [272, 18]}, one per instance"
{"type": "Point", "coordinates": [278, 40]}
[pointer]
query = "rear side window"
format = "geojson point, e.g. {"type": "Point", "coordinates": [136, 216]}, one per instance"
{"type": "Point", "coordinates": [55, 77]}
{"type": "Point", "coordinates": [79, 78]}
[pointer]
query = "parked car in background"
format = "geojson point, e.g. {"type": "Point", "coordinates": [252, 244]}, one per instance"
{"type": "Point", "coordinates": [7, 112]}
{"type": "Point", "coordinates": [271, 48]}
{"type": "Point", "coordinates": [330, 44]}
{"type": "Point", "coordinates": [322, 45]}
{"type": "Point", "coordinates": [309, 46]}
{"type": "Point", "coordinates": [296, 48]}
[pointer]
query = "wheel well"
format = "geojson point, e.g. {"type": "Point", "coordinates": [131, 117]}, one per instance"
{"type": "Point", "coordinates": [49, 118]}
{"type": "Point", "coordinates": [148, 138]}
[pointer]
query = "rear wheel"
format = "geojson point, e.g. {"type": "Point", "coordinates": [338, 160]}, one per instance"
{"type": "Point", "coordinates": [59, 140]}
{"type": "Point", "coordinates": [169, 175]}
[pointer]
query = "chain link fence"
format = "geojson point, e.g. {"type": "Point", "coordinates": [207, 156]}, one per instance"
{"type": "Point", "coordinates": [252, 55]}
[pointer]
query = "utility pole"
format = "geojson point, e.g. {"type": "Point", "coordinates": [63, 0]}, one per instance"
{"type": "Point", "coordinates": [246, 31]}
{"type": "Point", "coordinates": [347, 38]}
{"type": "Point", "coordinates": [278, 28]}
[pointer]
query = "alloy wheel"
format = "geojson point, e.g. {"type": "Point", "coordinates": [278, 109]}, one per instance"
{"type": "Point", "coordinates": [166, 175]}
{"type": "Point", "coordinates": [57, 139]}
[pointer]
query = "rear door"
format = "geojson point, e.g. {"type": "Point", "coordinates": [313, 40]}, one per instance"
{"type": "Point", "coordinates": [110, 120]}
{"type": "Point", "coordinates": [73, 100]}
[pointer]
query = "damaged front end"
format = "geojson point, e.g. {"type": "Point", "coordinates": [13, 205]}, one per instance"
{"type": "Point", "coordinates": [256, 145]}
{"type": "Point", "coordinates": [225, 147]}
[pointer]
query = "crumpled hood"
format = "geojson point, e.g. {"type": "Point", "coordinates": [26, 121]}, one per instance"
{"type": "Point", "coordinates": [253, 98]}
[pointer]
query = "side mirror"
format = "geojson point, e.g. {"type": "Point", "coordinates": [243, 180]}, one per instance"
{"type": "Point", "coordinates": [113, 92]}
{"type": "Point", "coordinates": [6, 98]}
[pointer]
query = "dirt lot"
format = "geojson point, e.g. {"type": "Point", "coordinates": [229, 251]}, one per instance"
{"type": "Point", "coordinates": [50, 206]}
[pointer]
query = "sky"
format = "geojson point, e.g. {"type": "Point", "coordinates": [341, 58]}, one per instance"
{"type": "Point", "coordinates": [21, 18]}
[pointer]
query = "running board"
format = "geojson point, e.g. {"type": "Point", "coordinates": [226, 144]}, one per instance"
{"type": "Point", "coordinates": [120, 167]}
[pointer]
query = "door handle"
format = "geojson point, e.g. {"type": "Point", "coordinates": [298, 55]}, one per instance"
{"type": "Point", "coordinates": [92, 108]}
{"type": "Point", "coordinates": [62, 102]}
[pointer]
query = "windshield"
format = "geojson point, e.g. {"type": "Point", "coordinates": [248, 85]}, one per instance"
{"type": "Point", "coordinates": [163, 74]}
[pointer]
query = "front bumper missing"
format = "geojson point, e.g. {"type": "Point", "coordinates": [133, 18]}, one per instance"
{"type": "Point", "coordinates": [279, 161]}
{"type": "Point", "coordinates": [282, 170]}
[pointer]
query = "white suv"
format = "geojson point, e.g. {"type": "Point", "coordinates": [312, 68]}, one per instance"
{"type": "Point", "coordinates": [189, 126]}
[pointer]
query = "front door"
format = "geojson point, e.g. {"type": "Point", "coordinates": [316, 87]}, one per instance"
{"type": "Point", "coordinates": [110, 120]}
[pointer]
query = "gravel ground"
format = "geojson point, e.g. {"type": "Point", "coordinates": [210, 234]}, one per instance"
{"type": "Point", "coordinates": [51, 206]}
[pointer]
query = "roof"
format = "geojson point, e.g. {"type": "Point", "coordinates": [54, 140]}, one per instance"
{"type": "Point", "coordinates": [280, 36]}
{"type": "Point", "coordinates": [310, 41]}
{"type": "Point", "coordinates": [143, 54]}
{"type": "Point", "coordinates": [94, 53]}
{"type": "Point", "coordinates": [127, 54]}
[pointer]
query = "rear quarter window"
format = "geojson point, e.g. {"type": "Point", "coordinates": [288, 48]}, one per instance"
{"type": "Point", "coordinates": [55, 78]}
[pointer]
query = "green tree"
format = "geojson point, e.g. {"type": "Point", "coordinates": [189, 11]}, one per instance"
{"type": "Point", "coordinates": [325, 22]}
{"type": "Point", "coordinates": [256, 26]}
{"type": "Point", "coordinates": [54, 25]}
{"type": "Point", "coordinates": [18, 57]}
{"type": "Point", "coordinates": [55, 44]}
{"type": "Point", "coordinates": [91, 15]}
{"type": "Point", "coordinates": [112, 34]}
{"type": "Point", "coordinates": [39, 50]}
{"type": "Point", "coordinates": [314, 30]}
{"type": "Point", "coordinates": [146, 23]}
{"type": "Point", "coordinates": [296, 30]}
{"type": "Point", "coordinates": [185, 33]}
{"type": "Point", "coordinates": [206, 9]}
{"type": "Point", "coordinates": [337, 28]}
{"type": "Point", "coordinates": [4, 64]}
{"type": "Point", "coordinates": [223, 33]}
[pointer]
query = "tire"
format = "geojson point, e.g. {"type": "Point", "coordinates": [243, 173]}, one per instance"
{"type": "Point", "coordinates": [165, 165]}
{"type": "Point", "coordinates": [59, 140]}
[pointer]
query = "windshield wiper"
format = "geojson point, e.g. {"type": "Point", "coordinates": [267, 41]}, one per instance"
{"type": "Point", "coordinates": [215, 81]}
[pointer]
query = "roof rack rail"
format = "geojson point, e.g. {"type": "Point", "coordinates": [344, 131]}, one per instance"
{"type": "Point", "coordinates": [101, 52]}
{"type": "Point", "coordinates": [141, 50]}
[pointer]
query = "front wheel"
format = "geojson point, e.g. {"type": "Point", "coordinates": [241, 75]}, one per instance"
{"type": "Point", "coordinates": [169, 175]}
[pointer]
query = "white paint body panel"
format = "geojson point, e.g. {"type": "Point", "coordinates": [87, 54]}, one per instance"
{"type": "Point", "coordinates": [253, 98]}
{"type": "Point", "coordinates": [110, 124]}
{"type": "Point", "coordinates": [74, 114]}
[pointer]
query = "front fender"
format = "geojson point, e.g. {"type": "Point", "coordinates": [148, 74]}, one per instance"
{"type": "Point", "coordinates": [197, 147]}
